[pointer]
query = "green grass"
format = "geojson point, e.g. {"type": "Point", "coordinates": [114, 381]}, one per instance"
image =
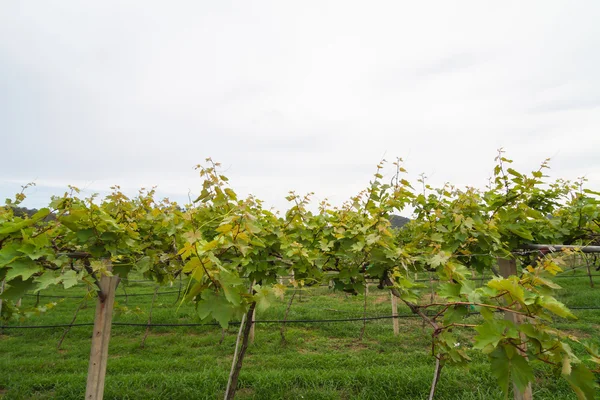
{"type": "Point", "coordinates": [319, 361]}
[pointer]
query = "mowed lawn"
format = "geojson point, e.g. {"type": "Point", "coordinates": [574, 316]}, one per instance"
{"type": "Point", "coordinates": [317, 361]}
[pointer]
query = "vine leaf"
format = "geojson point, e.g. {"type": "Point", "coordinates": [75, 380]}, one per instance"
{"type": "Point", "coordinates": [215, 306]}
{"type": "Point", "coordinates": [555, 306]}
{"type": "Point", "coordinates": [17, 288]}
{"type": "Point", "coordinates": [69, 279]}
{"type": "Point", "coordinates": [507, 364]}
{"type": "Point", "coordinates": [47, 279]}
{"type": "Point", "coordinates": [24, 268]}
{"type": "Point", "coordinates": [263, 297]}
{"type": "Point", "coordinates": [510, 285]}
{"type": "Point", "coordinates": [490, 334]}
{"type": "Point", "coordinates": [582, 382]}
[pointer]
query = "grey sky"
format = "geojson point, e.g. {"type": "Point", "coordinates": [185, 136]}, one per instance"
{"type": "Point", "coordinates": [304, 96]}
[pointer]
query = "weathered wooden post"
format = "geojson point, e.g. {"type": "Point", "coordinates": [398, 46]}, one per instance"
{"type": "Point", "coordinates": [1, 291]}
{"type": "Point", "coordinates": [251, 321]}
{"type": "Point", "coordinates": [507, 268]}
{"type": "Point", "coordinates": [252, 324]}
{"type": "Point", "coordinates": [589, 271]}
{"type": "Point", "coordinates": [395, 315]}
{"type": "Point", "coordinates": [101, 337]}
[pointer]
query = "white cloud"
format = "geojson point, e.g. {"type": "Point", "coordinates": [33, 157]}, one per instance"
{"type": "Point", "coordinates": [306, 96]}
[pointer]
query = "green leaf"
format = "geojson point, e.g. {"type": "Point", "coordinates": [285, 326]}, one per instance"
{"type": "Point", "coordinates": [451, 291]}
{"type": "Point", "coordinates": [486, 313]}
{"type": "Point", "coordinates": [358, 246]}
{"type": "Point", "coordinates": [489, 335]}
{"type": "Point", "coordinates": [224, 228]}
{"type": "Point", "coordinates": [232, 285]}
{"type": "Point", "coordinates": [582, 381]}
{"type": "Point", "coordinates": [506, 363]}
{"type": "Point", "coordinates": [47, 279]}
{"type": "Point", "coordinates": [122, 270]}
{"type": "Point", "coordinates": [23, 268]}
{"type": "Point", "coordinates": [215, 306]}
{"type": "Point", "coordinates": [514, 173]}
{"type": "Point", "coordinates": [439, 259]}
{"type": "Point", "coordinates": [85, 234]}
{"type": "Point", "coordinates": [34, 252]}
{"type": "Point", "coordinates": [41, 214]}
{"type": "Point", "coordinates": [566, 365]}
{"type": "Point", "coordinates": [555, 306]}
{"type": "Point", "coordinates": [231, 194]}
{"type": "Point", "coordinates": [519, 231]}
{"type": "Point", "coordinates": [192, 236]}
{"type": "Point", "coordinates": [263, 297]}
{"type": "Point", "coordinates": [500, 365]}
{"type": "Point", "coordinates": [546, 282]}
{"type": "Point", "coordinates": [9, 253]}
{"type": "Point", "coordinates": [510, 285]}
{"type": "Point", "coordinates": [143, 264]}
{"type": "Point", "coordinates": [194, 290]}
{"type": "Point", "coordinates": [69, 279]}
{"type": "Point", "coordinates": [17, 288]}
{"type": "Point", "coordinates": [534, 331]}
{"type": "Point", "coordinates": [12, 227]}
{"type": "Point", "coordinates": [456, 314]}
{"type": "Point", "coordinates": [521, 371]}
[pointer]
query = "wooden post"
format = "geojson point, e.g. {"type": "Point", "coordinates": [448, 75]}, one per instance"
{"type": "Point", "coordinates": [101, 337]}
{"type": "Point", "coordinates": [395, 315]}
{"type": "Point", "coordinates": [252, 324]}
{"type": "Point", "coordinates": [508, 267]}
{"type": "Point", "coordinates": [238, 358]}
{"type": "Point", "coordinates": [251, 321]}
{"type": "Point", "coordinates": [589, 271]}
{"type": "Point", "coordinates": [1, 291]}
{"type": "Point", "coordinates": [364, 327]}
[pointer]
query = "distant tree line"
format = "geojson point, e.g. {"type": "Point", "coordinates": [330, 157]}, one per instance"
{"type": "Point", "coordinates": [24, 211]}
{"type": "Point", "coordinates": [398, 221]}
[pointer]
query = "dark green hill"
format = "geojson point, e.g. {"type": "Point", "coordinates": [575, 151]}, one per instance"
{"type": "Point", "coordinates": [398, 221]}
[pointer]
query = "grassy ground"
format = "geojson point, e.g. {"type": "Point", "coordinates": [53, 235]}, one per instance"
{"type": "Point", "coordinates": [318, 361]}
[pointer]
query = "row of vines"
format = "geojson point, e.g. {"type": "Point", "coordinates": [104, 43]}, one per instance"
{"type": "Point", "coordinates": [231, 253]}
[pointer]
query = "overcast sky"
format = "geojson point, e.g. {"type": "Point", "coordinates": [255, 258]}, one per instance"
{"type": "Point", "coordinates": [301, 95]}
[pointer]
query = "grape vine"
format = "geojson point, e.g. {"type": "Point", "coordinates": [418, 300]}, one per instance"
{"type": "Point", "coordinates": [231, 252]}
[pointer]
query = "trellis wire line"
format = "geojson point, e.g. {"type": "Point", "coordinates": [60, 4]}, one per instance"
{"type": "Point", "coordinates": [117, 295]}
{"type": "Point", "coordinates": [148, 294]}
{"type": "Point", "coordinates": [564, 272]}
{"type": "Point", "coordinates": [487, 277]}
{"type": "Point", "coordinates": [577, 276]}
{"type": "Point", "coordinates": [176, 291]}
{"type": "Point", "coordinates": [128, 295]}
{"type": "Point", "coordinates": [570, 269]}
{"type": "Point", "coordinates": [141, 324]}
{"type": "Point", "coordinates": [518, 253]}
{"type": "Point", "coordinates": [53, 296]}
{"type": "Point", "coordinates": [274, 321]}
